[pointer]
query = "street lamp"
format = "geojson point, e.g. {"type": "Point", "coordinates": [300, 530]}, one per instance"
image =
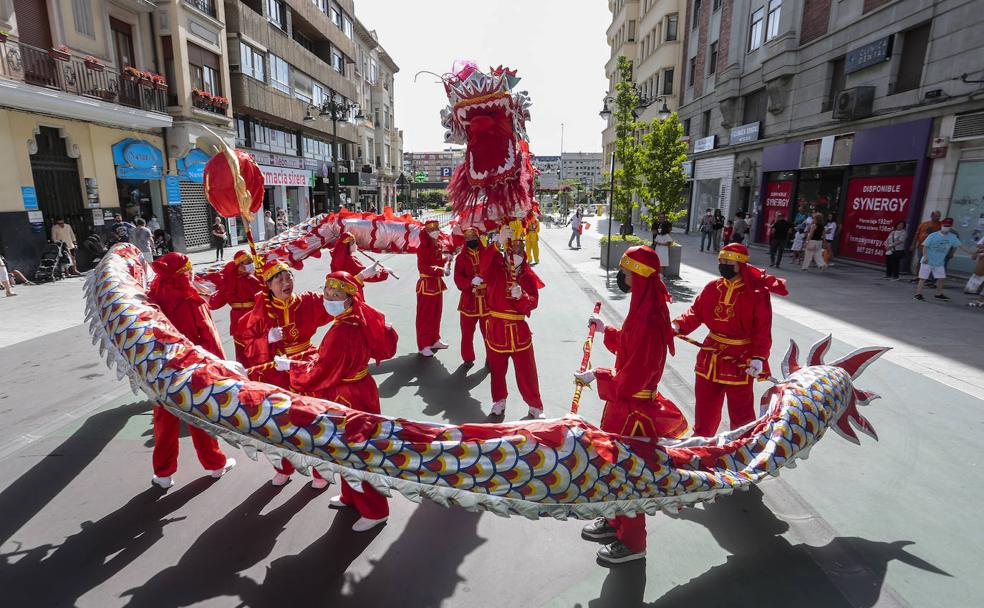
{"type": "Point", "coordinates": [644, 102]}
{"type": "Point", "coordinates": [335, 110]}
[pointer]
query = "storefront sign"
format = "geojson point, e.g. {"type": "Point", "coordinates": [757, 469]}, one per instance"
{"type": "Point", "coordinates": [871, 209]}
{"type": "Point", "coordinates": [30, 196]}
{"type": "Point", "coordinates": [704, 144]}
{"type": "Point", "coordinates": [35, 217]}
{"type": "Point", "coordinates": [745, 133]}
{"type": "Point", "coordinates": [172, 186]}
{"type": "Point", "coordinates": [97, 218]}
{"type": "Point", "coordinates": [275, 160]}
{"type": "Point", "coordinates": [868, 55]}
{"type": "Point", "coordinates": [191, 166]}
{"type": "Point", "coordinates": [137, 159]}
{"type": "Point", "coordinates": [778, 195]}
{"type": "Point", "coordinates": [281, 176]}
{"type": "Point", "coordinates": [688, 169]}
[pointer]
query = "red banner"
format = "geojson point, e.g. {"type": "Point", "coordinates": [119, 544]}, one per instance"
{"type": "Point", "coordinates": [778, 195]}
{"type": "Point", "coordinates": [871, 209]}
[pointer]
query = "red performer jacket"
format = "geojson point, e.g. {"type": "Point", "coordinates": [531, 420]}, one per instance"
{"type": "Point", "coordinates": [172, 292]}
{"type": "Point", "coordinates": [299, 317]}
{"type": "Point", "coordinates": [506, 330]}
{"type": "Point", "coordinates": [342, 259]}
{"type": "Point", "coordinates": [739, 319]}
{"type": "Point", "coordinates": [467, 266]}
{"type": "Point", "coordinates": [430, 264]}
{"type": "Point", "coordinates": [237, 289]}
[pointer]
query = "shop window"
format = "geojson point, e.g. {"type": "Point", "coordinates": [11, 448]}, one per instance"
{"type": "Point", "coordinates": [671, 28]}
{"type": "Point", "coordinates": [836, 82]}
{"type": "Point", "coordinates": [912, 59]}
{"type": "Point", "coordinates": [772, 21]}
{"type": "Point", "coordinates": [668, 82]}
{"type": "Point", "coordinates": [204, 66]}
{"type": "Point", "coordinates": [279, 74]}
{"type": "Point", "coordinates": [251, 62]}
{"type": "Point", "coordinates": [712, 59]}
{"type": "Point", "coordinates": [967, 208]}
{"type": "Point", "coordinates": [755, 30]}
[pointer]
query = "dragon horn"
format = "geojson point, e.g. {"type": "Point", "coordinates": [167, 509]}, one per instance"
{"type": "Point", "coordinates": [818, 350]}
{"type": "Point", "coordinates": [790, 364]}
{"type": "Point", "coordinates": [856, 362]}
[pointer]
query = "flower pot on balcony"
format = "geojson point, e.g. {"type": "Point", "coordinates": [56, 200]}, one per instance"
{"type": "Point", "coordinates": [3, 38]}
{"type": "Point", "coordinates": [59, 55]}
{"type": "Point", "coordinates": [160, 86]}
{"type": "Point", "coordinates": [95, 66]}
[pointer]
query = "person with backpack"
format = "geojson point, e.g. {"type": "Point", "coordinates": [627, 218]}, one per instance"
{"type": "Point", "coordinates": [706, 228]}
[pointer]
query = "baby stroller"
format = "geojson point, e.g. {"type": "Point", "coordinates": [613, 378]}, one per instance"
{"type": "Point", "coordinates": [51, 267]}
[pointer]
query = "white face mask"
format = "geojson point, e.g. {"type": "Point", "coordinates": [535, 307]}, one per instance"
{"type": "Point", "coordinates": [945, 229]}
{"type": "Point", "coordinates": [335, 307]}
{"type": "Point", "coordinates": [249, 268]}
{"type": "Point", "coordinates": [433, 233]}
{"type": "Point", "coordinates": [517, 260]}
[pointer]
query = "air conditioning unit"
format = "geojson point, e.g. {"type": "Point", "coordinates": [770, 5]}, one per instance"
{"type": "Point", "coordinates": [854, 103]}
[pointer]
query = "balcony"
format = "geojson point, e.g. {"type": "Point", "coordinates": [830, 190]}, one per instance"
{"type": "Point", "coordinates": [67, 73]}
{"type": "Point", "coordinates": [205, 6]}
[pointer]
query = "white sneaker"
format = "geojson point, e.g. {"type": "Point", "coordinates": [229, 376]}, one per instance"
{"type": "Point", "coordinates": [536, 414]}
{"type": "Point", "coordinates": [365, 524]}
{"type": "Point", "coordinates": [336, 502]}
{"type": "Point", "coordinates": [427, 352]}
{"type": "Point", "coordinates": [164, 482]}
{"type": "Point", "coordinates": [280, 480]}
{"type": "Point", "coordinates": [319, 483]}
{"type": "Point", "coordinates": [499, 408]}
{"type": "Point", "coordinates": [229, 464]}
{"type": "Point", "coordinates": [439, 345]}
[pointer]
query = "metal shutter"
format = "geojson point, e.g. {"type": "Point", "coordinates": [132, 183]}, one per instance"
{"type": "Point", "coordinates": [196, 215]}
{"type": "Point", "coordinates": [968, 126]}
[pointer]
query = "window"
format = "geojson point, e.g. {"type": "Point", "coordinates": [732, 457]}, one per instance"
{"type": "Point", "coordinates": [240, 133]}
{"type": "Point", "coordinates": [274, 140]}
{"type": "Point", "coordinates": [347, 26]}
{"type": "Point", "coordinates": [914, 43]}
{"type": "Point", "coordinates": [713, 59]}
{"type": "Point", "coordinates": [204, 69]}
{"type": "Point", "coordinates": [755, 32]}
{"type": "Point", "coordinates": [373, 71]}
{"type": "Point", "coordinates": [336, 17]}
{"type": "Point", "coordinates": [303, 40]}
{"type": "Point", "coordinates": [302, 86]}
{"type": "Point", "coordinates": [315, 148]}
{"type": "Point", "coordinates": [696, 20]}
{"type": "Point", "coordinates": [772, 22]}
{"type": "Point", "coordinates": [754, 109]}
{"type": "Point", "coordinates": [122, 42]}
{"type": "Point", "coordinates": [337, 62]}
{"type": "Point", "coordinates": [668, 82]}
{"type": "Point", "coordinates": [276, 13]}
{"type": "Point", "coordinates": [322, 5]}
{"type": "Point", "coordinates": [671, 28]}
{"type": "Point", "coordinates": [716, 5]}
{"type": "Point", "coordinates": [386, 155]}
{"type": "Point", "coordinates": [386, 118]}
{"type": "Point", "coordinates": [686, 127]}
{"type": "Point", "coordinates": [251, 62]}
{"type": "Point", "coordinates": [837, 81]}
{"type": "Point", "coordinates": [279, 74]}
{"type": "Point", "coordinates": [692, 72]}
{"type": "Point", "coordinates": [318, 93]}
{"type": "Point", "coordinates": [82, 13]}
{"type": "Point", "coordinates": [632, 31]}
{"type": "Point", "coordinates": [706, 121]}
{"type": "Point", "coordinates": [169, 74]}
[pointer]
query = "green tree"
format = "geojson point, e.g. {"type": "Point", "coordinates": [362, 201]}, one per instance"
{"type": "Point", "coordinates": [627, 149]}
{"type": "Point", "coordinates": [662, 155]}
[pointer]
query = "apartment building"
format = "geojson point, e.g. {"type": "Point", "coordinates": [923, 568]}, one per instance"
{"type": "Point", "coordinates": [869, 111]}
{"type": "Point", "coordinates": [437, 166]}
{"type": "Point", "coordinates": [584, 167]}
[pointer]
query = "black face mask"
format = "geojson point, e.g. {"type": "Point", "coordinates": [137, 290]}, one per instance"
{"type": "Point", "coordinates": [622, 284]}
{"type": "Point", "coordinates": [471, 244]}
{"type": "Point", "coordinates": [727, 271]}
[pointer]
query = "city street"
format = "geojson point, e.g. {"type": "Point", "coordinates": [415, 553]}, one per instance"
{"type": "Point", "coordinates": [886, 523]}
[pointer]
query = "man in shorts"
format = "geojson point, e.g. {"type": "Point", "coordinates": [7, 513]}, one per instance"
{"type": "Point", "coordinates": [935, 249]}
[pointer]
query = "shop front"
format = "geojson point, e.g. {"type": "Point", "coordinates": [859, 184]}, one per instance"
{"type": "Point", "coordinates": [288, 189]}
{"type": "Point", "coordinates": [967, 206]}
{"type": "Point", "coordinates": [139, 170]}
{"type": "Point", "coordinates": [711, 187]}
{"type": "Point", "coordinates": [190, 209]}
{"type": "Point", "coordinates": [866, 181]}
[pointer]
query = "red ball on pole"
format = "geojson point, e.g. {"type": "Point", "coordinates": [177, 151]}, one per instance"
{"type": "Point", "coordinates": [221, 188]}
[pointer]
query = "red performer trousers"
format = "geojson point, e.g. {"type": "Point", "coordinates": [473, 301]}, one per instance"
{"type": "Point", "coordinates": [165, 458]}
{"type": "Point", "coordinates": [286, 468]}
{"type": "Point", "coordinates": [526, 378]}
{"type": "Point", "coordinates": [710, 396]}
{"type": "Point", "coordinates": [631, 531]}
{"type": "Point", "coordinates": [468, 336]}
{"type": "Point", "coordinates": [429, 310]}
{"type": "Point", "coordinates": [369, 503]}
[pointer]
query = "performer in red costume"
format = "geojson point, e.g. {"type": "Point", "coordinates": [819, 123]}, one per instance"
{"type": "Point", "coordinates": [340, 373]}
{"type": "Point", "coordinates": [343, 258]}
{"type": "Point", "coordinates": [174, 292]}
{"type": "Point", "coordinates": [633, 405]}
{"type": "Point", "coordinates": [281, 323]}
{"type": "Point", "coordinates": [238, 287]}
{"type": "Point", "coordinates": [512, 293]}
{"type": "Point", "coordinates": [430, 289]}
{"type": "Point", "coordinates": [737, 309]}
{"type": "Point", "coordinates": [467, 277]}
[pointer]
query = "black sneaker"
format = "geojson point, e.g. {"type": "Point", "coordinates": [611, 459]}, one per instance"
{"type": "Point", "coordinates": [617, 553]}
{"type": "Point", "coordinates": [598, 529]}
{"type": "Point", "coordinates": [919, 297]}
{"type": "Point", "coordinates": [941, 297]}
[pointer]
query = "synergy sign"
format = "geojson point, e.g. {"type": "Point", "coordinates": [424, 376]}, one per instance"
{"type": "Point", "coordinates": [873, 206]}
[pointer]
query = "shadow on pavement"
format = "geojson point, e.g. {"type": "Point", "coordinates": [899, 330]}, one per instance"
{"type": "Point", "coordinates": [58, 575]}
{"type": "Point", "coordinates": [764, 569]}
{"type": "Point", "coordinates": [211, 566]}
{"type": "Point", "coordinates": [25, 497]}
{"type": "Point", "coordinates": [446, 395]}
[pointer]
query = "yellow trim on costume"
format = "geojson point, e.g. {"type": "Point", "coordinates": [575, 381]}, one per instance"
{"type": "Point", "coordinates": [333, 283]}
{"type": "Point", "coordinates": [432, 223]}
{"type": "Point", "coordinates": [734, 256]}
{"type": "Point", "coordinates": [298, 348]}
{"type": "Point", "coordinates": [732, 286]}
{"type": "Point", "coordinates": [507, 316]}
{"type": "Point", "coordinates": [186, 267]}
{"type": "Point", "coordinates": [359, 376]}
{"type": "Point", "coordinates": [242, 305]}
{"type": "Point", "coordinates": [284, 305]}
{"type": "Point", "coordinates": [483, 98]}
{"type": "Point", "coordinates": [636, 267]}
{"type": "Point", "coordinates": [729, 341]}
{"type": "Point", "coordinates": [645, 394]}
{"type": "Point", "coordinates": [274, 270]}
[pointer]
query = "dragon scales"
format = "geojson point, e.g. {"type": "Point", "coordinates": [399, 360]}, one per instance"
{"type": "Point", "coordinates": [553, 468]}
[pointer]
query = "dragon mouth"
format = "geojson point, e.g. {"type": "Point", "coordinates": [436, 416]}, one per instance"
{"type": "Point", "coordinates": [492, 149]}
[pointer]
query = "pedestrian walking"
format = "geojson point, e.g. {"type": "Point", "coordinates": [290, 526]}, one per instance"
{"type": "Point", "coordinates": [576, 230]}
{"type": "Point", "coordinates": [778, 238]}
{"type": "Point", "coordinates": [218, 238]}
{"type": "Point", "coordinates": [924, 229]}
{"type": "Point", "coordinates": [741, 228]}
{"type": "Point", "coordinates": [62, 232]}
{"type": "Point", "coordinates": [143, 239]}
{"type": "Point", "coordinates": [706, 228]}
{"type": "Point", "coordinates": [718, 226]}
{"type": "Point", "coordinates": [894, 250]}
{"type": "Point", "coordinates": [269, 226]}
{"type": "Point", "coordinates": [662, 241]}
{"type": "Point", "coordinates": [814, 244]}
{"type": "Point", "coordinates": [829, 234]}
{"type": "Point", "coordinates": [935, 249]}
{"type": "Point", "coordinates": [5, 279]}
{"type": "Point", "coordinates": [799, 240]}
{"type": "Point", "coordinates": [282, 223]}
{"type": "Point", "coordinates": [152, 224]}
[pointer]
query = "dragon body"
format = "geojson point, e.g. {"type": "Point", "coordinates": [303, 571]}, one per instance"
{"type": "Point", "coordinates": [555, 468]}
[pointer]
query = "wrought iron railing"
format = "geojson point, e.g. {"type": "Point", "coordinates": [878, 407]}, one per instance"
{"type": "Point", "coordinates": [205, 6]}
{"type": "Point", "coordinates": [65, 72]}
